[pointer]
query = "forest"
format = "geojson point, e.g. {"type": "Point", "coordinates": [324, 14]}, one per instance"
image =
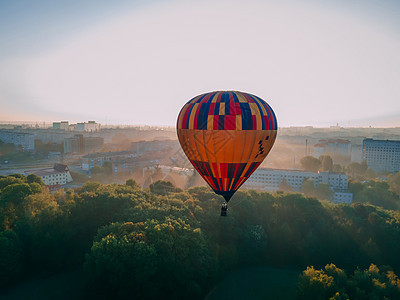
{"type": "Point", "coordinates": [165, 242]}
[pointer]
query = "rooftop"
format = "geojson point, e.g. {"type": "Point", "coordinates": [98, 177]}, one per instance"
{"type": "Point", "coordinates": [110, 153]}
{"type": "Point", "coordinates": [56, 169]}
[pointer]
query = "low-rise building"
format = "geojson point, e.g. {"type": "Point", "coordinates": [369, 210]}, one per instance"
{"type": "Point", "coordinates": [63, 125]}
{"type": "Point", "coordinates": [98, 159]}
{"type": "Point", "coordinates": [74, 144]}
{"type": "Point", "coordinates": [92, 144]}
{"type": "Point", "coordinates": [51, 136]}
{"type": "Point", "coordinates": [80, 144]}
{"type": "Point", "coordinates": [271, 180]}
{"type": "Point", "coordinates": [341, 197]}
{"type": "Point", "coordinates": [23, 139]}
{"type": "Point", "coordinates": [54, 177]}
{"type": "Point", "coordinates": [127, 165]}
{"type": "Point", "coordinates": [141, 147]}
{"type": "Point", "coordinates": [90, 126]}
{"type": "Point", "coordinates": [122, 161]}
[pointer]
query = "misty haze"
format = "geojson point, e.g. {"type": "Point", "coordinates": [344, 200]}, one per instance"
{"type": "Point", "coordinates": [199, 149]}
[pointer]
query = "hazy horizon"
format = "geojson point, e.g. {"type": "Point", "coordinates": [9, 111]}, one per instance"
{"type": "Point", "coordinates": [123, 125]}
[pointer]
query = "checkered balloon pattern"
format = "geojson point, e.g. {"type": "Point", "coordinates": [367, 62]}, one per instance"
{"type": "Point", "coordinates": [226, 135]}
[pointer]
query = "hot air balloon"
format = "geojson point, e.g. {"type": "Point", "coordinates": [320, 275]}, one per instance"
{"type": "Point", "coordinates": [226, 135]}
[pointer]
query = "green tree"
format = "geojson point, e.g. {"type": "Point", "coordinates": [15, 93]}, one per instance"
{"type": "Point", "coordinates": [91, 186]}
{"type": "Point", "coordinates": [310, 163]}
{"type": "Point", "coordinates": [132, 183]}
{"type": "Point", "coordinates": [337, 168]}
{"type": "Point", "coordinates": [285, 187]}
{"type": "Point", "coordinates": [178, 246]}
{"type": "Point", "coordinates": [323, 192]}
{"type": "Point", "coordinates": [9, 180]}
{"type": "Point", "coordinates": [50, 236]}
{"type": "Point", "coordinates": [394, 183]}
{"type": "Point", "coordinates": [357, 170]}
{"type": "Point", "coordinates": [150, 260]}
{"type": "Point", "coordinates": [31, 178]}
{"type": "Point", "coordinates": [376, 193]}
{"type": "Point", "coordinates": [161, 187]}
{"type": "Point", "coordinates": [326, 163]}
{"type": "Point", "coordinates": [333, 283]}
{"type": "Point", "coordinates": [36, 187]}
{"type": "Point", "coordinates": [374, 283]}
{"type": "Point", "coordinates": [37, 203]}
{"type": "Point", "coordinates": [339, 276]}
{"type": "Point", "coordinates": [15, 193]}
{"type": "Point", "coordinates": [308, 187]}
{"type": "Point", "coordinates": [19, 176]}
{"type": "Point", "coordinates": [11, 257]}
{"type": "Point", "coordinates": [315, 284]}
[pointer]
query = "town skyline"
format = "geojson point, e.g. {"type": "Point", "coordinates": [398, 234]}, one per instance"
{"type": "Point", "coordinates": [214, 149]}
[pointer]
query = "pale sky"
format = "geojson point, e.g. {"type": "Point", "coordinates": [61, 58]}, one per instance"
{"type": "Point", "coordinates": [138, 62]}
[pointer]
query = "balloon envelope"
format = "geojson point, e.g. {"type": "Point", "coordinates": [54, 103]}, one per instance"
{"type": "Point", "coordinates": [226, 135]}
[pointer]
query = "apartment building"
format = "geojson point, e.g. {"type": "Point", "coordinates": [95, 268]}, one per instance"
{"type": "Point", "coordinates": [271, 179]}
{"type": "Point", "coordinates": [54, 177]}
{"type": "Point", "coordinates": [26, 140]}
{"type": "Point", "coordinates": [382, 155]}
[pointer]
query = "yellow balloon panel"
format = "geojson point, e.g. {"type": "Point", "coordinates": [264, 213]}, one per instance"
{"type": "Point", "coordinates": [226, 136]}
{"type": "Point", "coordinates": [226, 146]}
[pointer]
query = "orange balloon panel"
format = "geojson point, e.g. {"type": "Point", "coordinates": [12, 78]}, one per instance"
{"type": "Point", "coordinates": [226, 136]}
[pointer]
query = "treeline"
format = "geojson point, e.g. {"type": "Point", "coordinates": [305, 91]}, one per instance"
{"type": "Point", "coordinates": [334, 283]}
{"type": "Point", "coordinates": [325, 163]}
{"type": "Point", "coordinates": [375, 192]}
{"type": "Point", "coordinates": [164, 242]}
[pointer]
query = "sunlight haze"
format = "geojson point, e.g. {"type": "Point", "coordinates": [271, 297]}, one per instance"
{"type": "Point", "coordinates": [314, 64]}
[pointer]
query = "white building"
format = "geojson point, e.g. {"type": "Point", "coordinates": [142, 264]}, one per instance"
{"type": "Point", "coordinates": [63, 125]}
{"type": "Point", "coordinates": [340, 197]}
{"type": "Point", "coordinates": [382, 155]}
{"type": "Point", "coordinates": [80, 144]}
{"type": "Point", "coordinates": [336, 181]}
{"type": "Point", "coordinates": [51, 136]}
{"type": "Point", "coordinates": [90, 126]}
{"type": "Point", "coordinates": [56, 176]}
{"type": "Point", "coordinates": [98, 159]}
{"type": "Point", "coordinates": [271, 179]}
{"type": "Point", "coordinates": [26, 140]}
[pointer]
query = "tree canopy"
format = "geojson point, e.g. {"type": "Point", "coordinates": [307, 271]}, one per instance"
{"type": "Point", "coordinates": [333, 283]}
{"type": "Point", "coordinates": [164, 242]}
{"type": "Point", "coordinates": [309, 163]}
